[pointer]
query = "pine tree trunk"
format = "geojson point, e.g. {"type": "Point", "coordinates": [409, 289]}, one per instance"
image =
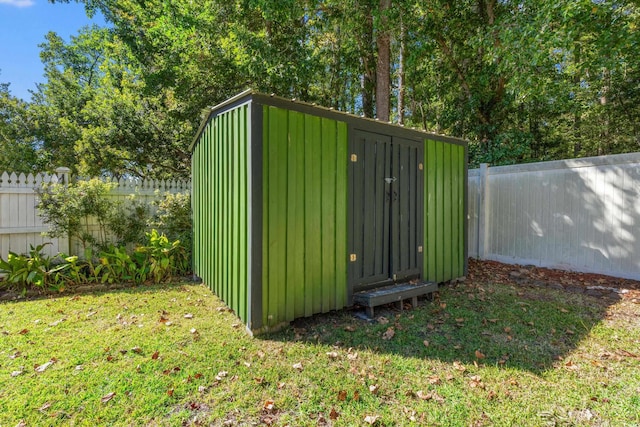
{"type": "Point", "coordinates": [383, 68]}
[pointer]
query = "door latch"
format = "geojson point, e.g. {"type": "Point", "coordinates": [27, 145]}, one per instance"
{"type": "Point", "coordinates": [390, 180]}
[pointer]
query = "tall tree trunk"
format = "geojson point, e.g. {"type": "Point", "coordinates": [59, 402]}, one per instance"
{"type": "Point", "coordinates": [401, 74]}
{"type": "Point", "coordinates": [383, 68]}
{"type": "Point", "coordinates": [368, 61]}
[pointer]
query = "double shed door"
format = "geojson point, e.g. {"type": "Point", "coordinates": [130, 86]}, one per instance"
{"type": "Point", "coordinates": [386, 202]}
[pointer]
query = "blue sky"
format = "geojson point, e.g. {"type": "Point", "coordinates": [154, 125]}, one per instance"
{"type": "Point", "coordinates": [23, 25]}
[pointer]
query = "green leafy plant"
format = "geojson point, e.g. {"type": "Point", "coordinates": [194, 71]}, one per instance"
{"type": "Point", "coordinates": [72, 209]}
{"type": "Point", "coordinates": [174, 218]}
{"type": "Point", "coordinates": [163, 257]}
{"type": "Point", "coordinates": [35, 269]}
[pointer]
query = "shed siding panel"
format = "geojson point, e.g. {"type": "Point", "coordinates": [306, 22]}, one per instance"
{"type": "Point", "coordinates": [444, 210]}
{"type": "Point", "coordinates": [304, 269]}
{"type": "Point", "coordinates": [220, 189]}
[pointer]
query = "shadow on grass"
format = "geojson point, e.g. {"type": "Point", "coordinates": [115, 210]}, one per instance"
{"type": "Point", "coordinates": [519, 327]}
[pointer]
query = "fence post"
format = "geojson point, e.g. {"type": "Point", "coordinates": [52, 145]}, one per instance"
{"type": "Point", "coordinates": [483, 214]}
{"type": "Point", "coordinates": [64, 173]}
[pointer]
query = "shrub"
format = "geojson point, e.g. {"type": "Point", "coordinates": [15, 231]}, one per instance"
{"type": "Point", "coordinates": [174, 219]}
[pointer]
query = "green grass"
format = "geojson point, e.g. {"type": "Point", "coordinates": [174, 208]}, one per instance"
{"type": "Point", "coordinates": [550, 358]}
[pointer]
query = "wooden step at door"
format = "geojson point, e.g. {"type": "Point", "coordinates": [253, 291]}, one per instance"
{"type": "Point", "coordinates": [394, 293]}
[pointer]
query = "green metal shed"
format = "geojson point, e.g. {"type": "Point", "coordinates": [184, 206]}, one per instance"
{"type": "Point", "coordinates": [298, 208]}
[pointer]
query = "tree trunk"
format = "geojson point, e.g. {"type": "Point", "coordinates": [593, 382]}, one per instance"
{"type": "Point", "coordinates": [383, 67]}
{"type": "Point", "coordinates": [401, 74]}
{"type": "Point", "coordinates": [368, 61]}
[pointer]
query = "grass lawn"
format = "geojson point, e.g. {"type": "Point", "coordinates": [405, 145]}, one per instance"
{"type": "Point", "coordinates": [479, 354]}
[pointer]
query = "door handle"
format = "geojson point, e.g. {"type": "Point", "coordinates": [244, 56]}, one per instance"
{"type": "Point", "coordinates": [390, 180]}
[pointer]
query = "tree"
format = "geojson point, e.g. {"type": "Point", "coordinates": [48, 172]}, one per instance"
{"type": "Point", "coordinates": [94, 113]}
{"type": "Point", "coordinates": [18, 148]}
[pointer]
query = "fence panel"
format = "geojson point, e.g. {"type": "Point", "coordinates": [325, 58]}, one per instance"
{"type": "Point", "coordinates": [580, 214]}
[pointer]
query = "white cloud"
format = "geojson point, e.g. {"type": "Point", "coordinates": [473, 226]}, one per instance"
{"type": "Point", "coordinates": [18, 3]}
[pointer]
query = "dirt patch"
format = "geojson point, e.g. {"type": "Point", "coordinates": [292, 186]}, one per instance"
{"type": "Point", "coordinates": [595, 285]}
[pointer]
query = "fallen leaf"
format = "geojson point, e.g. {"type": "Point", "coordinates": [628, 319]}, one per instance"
{"type": "Point", "coordinates": [435, 380]}
{"type": "Point", "coordinates": [492, 395]}
{"type": "Point", "coordinates": [476, 381]}
{"type": "Point", "coordinates": [44, 407]}
{"type": "Point", "coordinates": [221, 375]}
{"type": "Point", "coordinates": [107, 397]}
{"type": "Point", "coordinates": [388, 334]}
{"type": "Point", "coordinates": [332, 354]}
{"type": "Point", "coordinates": [170, 392]}
{"type": "Point", "coordinates": [155, 355]}
{"type": "Point", "coordinates": [188, 316]}
{"type": "Point", "coordinates": [136, 350]}
{"type": "Point", "coordinates": [297, 366]}
{"type": "Point", "coordinates": [424, 396]}
{"type": "Point", "coordinates": [479, 354]}
{"type": "Point", "coordinates": [44, 366]}
{"type": "Point", "coordinates": [507, 329]}
{"type": "Point", "coordinates": [371, 419]}
{"type": "Point", "coordinates": [193, 330]}
{"type": "Point", "coordinates": [24, 332]}
{"type": "Point", "coordinates": [268, 405]}
{"type": "Point", "coordinates": [426, 343]}
{"type": "Point", "coordinates": [342, 395]}
{"type": "Point", "coordinates": [16, 373]}
{"type": "Point", "coordinates": [352, 356]}
{"type": "Point", "coordinates": [383, 320]}
{"type": "Point", "coordinates": [21, 423]}
{"type": "Point", "coordinates": [350, 328]}
{"type": "Point", "coordinates": [334, 414]}
{"type": "Point", "coordinates": [459, 366]}
{"type": "Point", "coordinates": [374, 388]}
{"type": "Point", "coordinates": [281, 385]}
{"type": "Point", "coordinates": [356, 395]}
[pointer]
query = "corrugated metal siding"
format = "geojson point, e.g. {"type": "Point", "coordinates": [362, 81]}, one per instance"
{"type": "Point", "coordinates": [304, 215]}
{"type": "Point", "coordinates": [221, 207]}
{"type": "Point", "coordinates": [444, 209]}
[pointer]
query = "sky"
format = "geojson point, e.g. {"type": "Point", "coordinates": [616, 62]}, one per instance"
{"type": "Point", "coordinates": [23, 25]}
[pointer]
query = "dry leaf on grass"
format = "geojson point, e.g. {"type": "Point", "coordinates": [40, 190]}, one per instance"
{"type": "Point", "coordinates": [334, 414]}
{"type": "Point", "coordinates": [107, 397]}
{"type": "Point", "coordinates": [371, 419]}
{"type": "Point", "coordinates": [388, 334]}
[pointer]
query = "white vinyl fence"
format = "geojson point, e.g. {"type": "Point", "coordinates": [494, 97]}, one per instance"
{"type": "Point", "coordinates": [581, 214]}
{"type": "Point", "coordinates": [21, 226]}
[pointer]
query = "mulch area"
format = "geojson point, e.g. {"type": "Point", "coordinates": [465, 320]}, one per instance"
{"type": "Point", "coordinates": [596, 285]}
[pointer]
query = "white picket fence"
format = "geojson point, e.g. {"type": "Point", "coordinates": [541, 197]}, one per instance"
{"type": "Point", "coordinates": [581, 214]}
{"type": "Point", "coordinates": [21, 226]}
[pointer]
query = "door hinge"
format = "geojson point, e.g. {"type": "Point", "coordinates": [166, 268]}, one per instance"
{"type": "Point", "coordinates": [420, 249]}
{"type": "Point", "coordinates": [354, 158]}
{"type": "Point", "coordinates": [353, 257]}
{"type": "Point", "coordinates": [420, 166]}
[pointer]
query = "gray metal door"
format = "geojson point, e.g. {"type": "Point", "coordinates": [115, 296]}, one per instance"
{"type": "Point", "coordinates": [386, 210]}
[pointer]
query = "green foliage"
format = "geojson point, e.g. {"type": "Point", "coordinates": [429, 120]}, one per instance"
{"type": "Point", "coordinates": [158, 260]}
{"type": "Point", "coordinates": [128, 221]}
{"type": "Point", "coordinates": [18, 151]}
{"type": "Point", "coordinates": [174, 218]}
{"type": "Point", "coordinates": [33, 270]}
{"type": "Point", "coordinates": [71, 209]}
